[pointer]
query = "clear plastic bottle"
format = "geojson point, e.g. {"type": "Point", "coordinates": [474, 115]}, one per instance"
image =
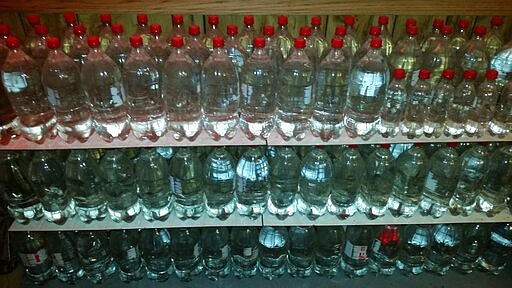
{"type": "Point", "coordinates": [410, 172]}
{"type": "Point", "coordinates": [30, 38]}
{"type": "Point", "coordinates": [310, 49]}
{"type": "Point", "coordinates": [142, 28]}
{"type": "Point", "coordinates": [158, 48]}
{"type": "Point", "coordinates": [186, 180]}
{"type": "Point", "coordinates": [484, 105]}
{"type": "Point", "coordinates": [356, 250]}
{"type": "Point", "coordinates": [186, 252]}
{"type": "Point", "coordinates": [146, 107]}
{"type": "Point", "coordinates": [446, 239]}
{"type": "Point", "coordinates": [459, 108]}
{"type": "Point", "coordinates": [117, 183]}
{"type": "Point", "coordinates": [473, 55]}
{"type": "Point", "coordinates": [284, 183]}
{"type": "Point", "coordinates": [8, 119]}
{"type": "Point", "coordinates": [212, 31]}
{"type": "Point", "coordinates": [301, 251]}
{"type": "Point", "coordinates": [407, 54]}
{"type": "Point", "coordinates": [328, 250]}
{"type": "Point", "coordinates": [387, 40]}
{"type": "Point", "coordinates": [60, 77]}
{"type": "Point", "coordinates": [295, 101]}
{"type": "Point", "coordinates": [31, 249]}
{"type": "Point", "coordinates": [366, 92]}
{"type": "Point", "coordinates": [155, 246]}
{"type": "Point", "coordinates": [273, 246]}
{"type": "Point", "coordinates": [219, 174]}
{"type": "Point", "coordinates": [494, 38]}
{"type": "Point", "coordinates": [102, 83]}
{"type": "Point", "coordinates": [47, 176]}
{"type": "Point", "coordinates": [283, 36]}
{"type": "Point", "coordinates": [94, 254]}
{"type": "Point", "coordinates": [195, 47]}
{"type": "Point", "coordinates": [21, 80]}
{"type": "Point", "coordinates": [416, 240]}
{"type": "Point", "coordinates": [178, 29]}
{"type": "Point", "coordinates": [65, 257]}
{"type": "Point", "coordinates": [83, 183]}
{"type": "Point", "coordinates": [437, 109]}
{"type": "Point", "coordinates": [244, 251]}
{"type": "Point", "coordinates": [79, 49]}
{"type": "Point", "coordinates": [247, 35]}
{"type": "Point", "coordinates": [373, 32]}
{"type": "Point", "coordinates": [461, 36]}
{"type": "Point", "coordinates": [418, 99]}
{"type": "Point", "coordinates": [153, 185]}
{"type": "Point", "coordinates": [499, 251]}
{"type": "Point", "coordinates": [332, 77]}
{"type": "Point", "coordinates": [66, 35]}
{"type": "Point", "coordinates": [216, 252]}
{"type": "Point", "coordinates": [257, 98]}
{"type": "Point", "coordinates": [105, 31]}
{"type": "Point", "coordinates": [502, 62]}
{"type": "Point", "coordinates": [272, 47]}
{"type": "Point", "coordinates": [440, 56]}
{"type": "Point", "coordinates": [384, 250]}
{"type": "Point", "coordinates": [124, 246]}
{"type": "Point", "coordinates": [320, 42]}
{"type": "Point", "coordinates": [315, 183]}
{"type": "Point", "coordinates": [220, 93]}
{"type": "Point", "coordinates": [393, 109]}
{"type": "Point", "coordinates": [475, 240]}
{"type": "Point", "coordinates": [501, 123]}
{"type": "Point", "coordinates": [234, 48]}
{"type": "Point", "coordinates": [40, 50]}
{"type": "Point", "coordinates": [351, 37]}
{"type": "Point", "coordinates": [433, 36]}
{"type": "Point", "coordinates": [119, 48]}
{"type": "Point", "coordinates": [473, 167]}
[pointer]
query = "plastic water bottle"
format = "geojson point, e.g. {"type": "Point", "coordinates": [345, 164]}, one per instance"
{"type": "Point", "coordinates": [195, 47]}
{"type": "Point", "coordinates": [331, 92]}
{"type": "Point", "coordinates": [247, 35]}
{"type": "Point", "coordinates": [349, 172]}
{"type": "Point", "coordinates": [437, 109]}
{"type": "Point", "coordinates": [446, 239]}
{"type": "Point", "coordinates": [410, 172]}
{"type": "Point", "coordinates": [440, 56]}
{"type": "Point", "coordinates": [496, 183]}
{"type": "Point", "coordinates": [66, 35]}
{"type": "Point", "coordinates": [374, 32]}
{"type": "Point", "coordinates": [351, 37]}
{"type": "Point", "coordinates": [461, 36]}
{"type": "Point", "coordinates": [257, 98]}
{"type": "Point", "coordinates": [459, 108]}
{"type": "Point", "coordinates": [219, 174]}
{"type": "Point", "coordinates": [301, 251]}
{"type": "Point", "coordinates": [393, 109]}
{"type": "Point", "coordinates": [310, 49]}
{"type": "Point", "coordinates": [65, 257]}
{"type": "Point", "coordinates": [79, 49]}
{"type": "Point", "coordinates": [407, 54]}
{"type": "Point", "coordinates": [416, 240]}
{"type": "Point", "coordinates": [499, 251]}
{"type": "Point", "coordinates": [119, 48]}
{"type": "Point", "coordinates": [244, 251]}
{"type": "Point", "coordinates": [155, 246]}
{"type": "Point", "coordinates": [124, 245]}
{"type": "Point", "coordinates": [141, 79]}
{"type": "Point", "coordinates": [234, 48]}
{"type": "Point", "coordinates": [328, 250]}
{"type": "Point", "coordinates": [31, 249]}
{"type": "Point", "coordinates": [93, 252]}
{"type": "Point", "coordinates": [494, 38]}
{"type": "Point", "coordinates": [484, 105]}
{"type": "Point", "coordinates": [315, 183]}
{"type": "Point", "coordinates": [46, 174]}
{"type": "Point", "coordinates": [61, 81]}
{"type": "Point", "coordinates": [473, 55]}
{"type": "Point", "coordinates": [273, 246]}
{"type": "Point", "coordinates": [295, 87]}
{"type": "Point", "coordinates": [284, 182]}
{"type": "Point", "coordinates": [8, 118]}
{"type": "Point", "coordinates": [272, 47]}
{"type": "Point", "coordinates": [212, 31]}
{"type": "Point", "coordinates": [500, 124]}
{"type": "Point", "coordinates": [105, 31]}
{"type": "Point", "coordinates": [502, 62]}
{"type": "Point", "coordinates": [117, 182]}
{"type": "Point", "coordinates": [387, 41]}
{"type": "Point", "coordinates": [216, 252]}
{"type": "Point", "coordinates": [178, 29]}
{"type": "Point", "coordinates": [433, 36]}
{"type": "Point", "coordinates": [83, 183]}
{"type": "Point", "coordinates": [21, 80]}
{"type": "Point", "coordinates": [419, 97]}
{"type": "Point", "coordinates": [366, 92]}
{"type": "Point", "coordinates": [475, 240]}
{"type": "Point", "coordinates": [220, 93]}
{"type": "Point", "coordinates": [284, 38]}
{"type": "Point", "coordinates": [473, 167]}
{"type": "Point", "coordinates": [356, 250]}
{"type": "Point", "coordinates": [252, 183]}
{"type": "Point", "coordinates": [186, 252]}
{"type": "Point", "coordinates": [142, 28]}
{"type": "Point", "coordinates": [31, 36]}
{"type": "Point", "coordinates": [158, 48]}
{"type": "Point", "coordinates": [40, 50]}
{"type": "Point", "coordinates": [320, 42]}
{"type": "Point", "coordinates": [384, 250]}
{"type": "Point", "coordinates": [153, 185]}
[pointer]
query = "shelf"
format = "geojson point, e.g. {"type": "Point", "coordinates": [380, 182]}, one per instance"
{"type": "Point", "coordinates": [269, 7]}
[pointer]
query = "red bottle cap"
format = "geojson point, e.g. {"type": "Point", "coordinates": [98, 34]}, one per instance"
{"type": "Point", "coordinates": [259, 42]}
{"type": "Point", "coordinates": [177, 19]}
{"type": "Point", "coordinates": [12, 42]}
{"type": "Point", "coordinates": [218, 42]}
{"type": "Point", "coordinates": [213, 19]}
{"type": "Point", "coordinates": [117, 28]}
{"type": "Point", "coordinates": [69, 17]}
{"type": "Point", "coordinates": [491, 74]}
{"type": "Point", "coordinates": [446, 30]}
{"type": "Point", "coordinates": [349, 20]}
{"type": "Point", "coordinates": [155, 29]}
{"type": "Point", "coordinates": [448, 74]}
{"type": "Point", "coordinates": [105, 18]}
{"type": "Point", "coordinates": [33, 19]}
{"type": "Point", "coordinates": [424, 74]}
{"type": "Point", "coordinates": [249, 20]}
{"type": "Point", "coordinates": [42, 30]}
{"type": "Point", "coordinates": [410, 22]}
{"type": "Point", "coordinates": [4, 30]}
{"type": "Point", "coordinates": [376, 42]}
{"type": "Point", "coordinates": [142, 19]}
{"type": "Point", "coordinates": [337, 43]}
{"type": "Point", "coordinates": [79, 30]}
{"type": "Point", "coordinates": [353, 146]}
{"type": "Point", "coordinates": [299, 43]}
{"type": "Point", "coordinates": [282, 20]}
{"type": "Point", "coordinates": [268, 30]}
{"type": "Point", "coordinates": [452, 144]}
{"type": "Point", "coordinates": [411, 30]}
{"type": "Point", "coordinates": [375, 30]}
{"type": "Point", "coordinates": [305, 31]}
{"type": "Point", "coordinates": [463, 23]}
{"type": "Point", "coordinates": [232, 29]}
{"type": "Point", "coordinates": [177, 41]}
{"type": "Point", "coordinates": [53, 42]}
{"type": "Point", "coordinates": [484, 143]}
{"type": "Point", "coordinates": [320, 146]}
{"type": "Point", "coordinates": [470, 74]}
{"type": "Point", "coordinates": [480, 30]}
{"type": "Point", "coordinates": [194, 30]}
{"type": "Point", "coordinates": [399, 73]}
{"type": "Point", "coordinates": [316, 21]}
{"type": "Point", "coordinates": [340, 31]}
{"type": "Point", "coordinates": [438, 23]}
{"type": "Point", "coordinates": [496, 20]}
{"type": "Point", "coordinates": [93, 41]}
{"type": "Point", "coordinates": [136, 41]}
{"type": "Point", "coordinates": [385, 145]}
{"type": "Point", "coordinates": [383, 20]}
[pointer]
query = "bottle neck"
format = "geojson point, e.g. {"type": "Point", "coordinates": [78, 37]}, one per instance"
{"type": "Point", "coordinates": [260, 51]}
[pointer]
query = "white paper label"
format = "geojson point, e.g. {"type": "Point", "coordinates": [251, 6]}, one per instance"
{"type": "Point", "coordinates": [14, 82]}
{"type": "Point", "coordinates": [175, 185]}
{"type": "Point", "coordinates": [225, 251]}
{"type": "Point", "coordinates": [248, 252]}
{"type": "Point", "coordinates": [53, 97]}
{"type": "Point", "coordinates": [356, 252]}
{"type": "Point", "coordinates": [57, 259]}
{"type": "Point", "coordinates": [308, 94]}
{"type": "Point", "coordinates": [132, 253]}
{"type": "Point", "coordinates": [430, 182]}
{"type": "Point", "coordinates": [33, 259]}
{"type": "Point", "coordinates": [370, 85]}
{"type": "Point", "coordinates": [197, 250]}
{"type": "Point", "coordinates": [116, 95]}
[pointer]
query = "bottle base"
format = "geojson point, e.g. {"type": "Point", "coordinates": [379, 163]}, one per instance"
{"type": "Point", "coordinates": [60, 216]}
{"type": "Point", "coordinates": [295, 271]}
{"type": "Point", "coordinates": [186, 275]}
{"type": "Point", "coordinates": [252, 211]}
{"type": "Point", "coordinates": [136, 275]}
{"type": "Point", "coordinates": [188, 212]}
{"type": "Point", "coordinates": [271, 272]}
{"type": "Point", "coordinates": [432, 207]}
{"type": "Point", "coordinates": [70, 278]}
{"type": "Point", "coordinates": [281, 213]}
{"type": "Point", "coordinates": [221, 212]}
{"type": "Point", "coordinates": [244, 272]}
{"type": "Point", "coordinates": [398, 207]}
{"type": "Point", "coordinates": [88, 215]}
{"type": "Point", "coordinates": [41, 278]}
{"type": "Point", "coordinates": [159, 214]}
{"type": "Point", "coordinates": [352, 271]}
{"type": "Point", "coordinates": [216, 274]}
{"type": "Point", "coordinates": [309, 210]}
{"type": "Point", "coordinates": [126, 215]}
{"type": "Point", "coordinates": [25, 215]}
{"type": "Point", "coordinates": [342, 212]}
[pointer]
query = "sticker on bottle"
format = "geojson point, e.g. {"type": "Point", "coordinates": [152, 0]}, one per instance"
{"type": "Point", "coordinates": [53, 96]}
{"type": "Point", "coordinates": [116, 96]}
{"type": "Point", "coordinates": [14, 82]}
{"type": "Point", "coordinates": [176, 186]}
{"type": "Point", "coordinates": [248, 251]}
{"type": "Point", "coordinates": [225, 251]}
{"type": "Point", "coordinates": [247, 91]}
{"type": "Point", "coordinates": [308, 94]}
{"type": "Point", "coordinates": [371, 84]}
{"type": "Point", "coordinates": [431, 182]}
{"type": "Point", "coordinates": [356, 252]}
{"type": "Point", "coordinates": [58, 260]}
{"type": "Point", "coordinates": [132, 253]}
{"type": "Point", "coordinates": [197, 250]}
{"type": "Point", "coordinates": [33, 259]}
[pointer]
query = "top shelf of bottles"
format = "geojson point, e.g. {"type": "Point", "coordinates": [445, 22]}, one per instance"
{"type": "Point", "coordinates": [269, 7]}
